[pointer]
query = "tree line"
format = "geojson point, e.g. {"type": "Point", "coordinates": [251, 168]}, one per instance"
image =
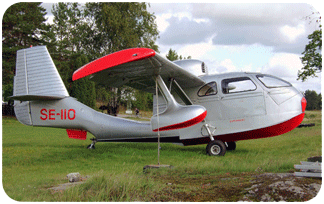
{"type": "Point", "coordinates": [78, 35]}
{"type": "Point", "coordinates": [314, 100]}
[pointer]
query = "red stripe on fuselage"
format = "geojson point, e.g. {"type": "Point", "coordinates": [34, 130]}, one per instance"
{"type": "Point", "coordinates": [271, 131]}
{"type": "Point", "coordinates": [184, 124]}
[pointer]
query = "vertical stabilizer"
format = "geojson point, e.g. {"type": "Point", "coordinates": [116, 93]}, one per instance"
{"type": "Point", "coordinates": [36, 74]}
{"type": "Point", "coordinates": [36, 79]}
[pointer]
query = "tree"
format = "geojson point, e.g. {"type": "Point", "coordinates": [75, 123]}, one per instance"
{"type": "Point", "coordinates": [68, 51]}
{"type": "Point", "coordinates": [117, 26]}
{"type": "Point", "coordinates": [173, 55]}
{"type": "Point", "coordinates": [314, 100]}
{"type": "Point", "coordinates": [312, 59]}
{"type": "Point", "coordinates": [83, 89]}
{"type": "Point", "coordinates": [67, 29]}
{"type": "Point", "coordinates": [23, 25]}
{"type": "Point", "coordinates": [143, 100]}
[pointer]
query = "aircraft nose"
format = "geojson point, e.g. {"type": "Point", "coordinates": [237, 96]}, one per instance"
{"type": "Point", "coordinates": [303, 104]}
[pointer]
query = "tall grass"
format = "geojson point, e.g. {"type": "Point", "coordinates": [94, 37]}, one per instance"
{"type": "Point", "coordinates": [112, 187]}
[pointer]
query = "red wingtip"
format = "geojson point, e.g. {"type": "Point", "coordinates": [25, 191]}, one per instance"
{"type": "Point", "coordinates": [112, 60]}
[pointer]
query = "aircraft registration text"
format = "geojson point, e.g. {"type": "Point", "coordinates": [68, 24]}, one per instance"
{"type": "Point", "coordinates": [52, 114]}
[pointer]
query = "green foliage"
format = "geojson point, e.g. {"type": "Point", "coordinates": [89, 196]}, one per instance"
{"type": "Point", "coordinates": [173, 55]}
{"type": "Point", "coordinates": [117, 26]}
{"type": "Point", "coordinates": [68, 22]}
{"type": "Point", "coordinates": [312, 59]}
{"type": "Point", "coordinates": [84, 89]}
{"type": "Point", "coordinates": [23, 25]}
{"type": "Point", "coordinates": [314, 100]}
{"type": "Point", "coordinates": [143, 100]}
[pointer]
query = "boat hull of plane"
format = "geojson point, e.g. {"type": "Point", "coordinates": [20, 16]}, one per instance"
{"type": "Point", "coordinates": [265, 132]}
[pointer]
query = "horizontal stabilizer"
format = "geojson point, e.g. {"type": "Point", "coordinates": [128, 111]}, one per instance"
{"type": "Point", "coordinates": [36, 98]}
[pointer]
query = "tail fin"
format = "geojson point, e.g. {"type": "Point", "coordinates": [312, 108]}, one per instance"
{"type": "Point", "coordinates": [36, 79]}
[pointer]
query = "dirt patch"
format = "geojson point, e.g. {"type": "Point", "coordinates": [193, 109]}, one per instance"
{"type": "Point", "coordinates": [64, 186]}
{"type": "Point", "coordinates": [243, 187]}
{"type": "Point", "coordinates": [72, 182]}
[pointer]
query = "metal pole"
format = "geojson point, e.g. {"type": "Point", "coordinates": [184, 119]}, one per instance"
{"type": "Point", "coordinates": [157, 112]}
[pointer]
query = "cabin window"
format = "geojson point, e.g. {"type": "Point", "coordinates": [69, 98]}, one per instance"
{"type": "Point", "coordinates": [239, 84]}
{"type": "Point", "coordinates": [208, 89]}
{"type": "Point", "coordinates": [272, 82]}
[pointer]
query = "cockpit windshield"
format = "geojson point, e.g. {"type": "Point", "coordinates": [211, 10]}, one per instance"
{"type": "Point", "coordinates": [272, 82]}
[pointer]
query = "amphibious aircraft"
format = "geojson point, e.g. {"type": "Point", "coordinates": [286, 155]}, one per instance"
{"type": "Point", "coordinates": [190, 106]}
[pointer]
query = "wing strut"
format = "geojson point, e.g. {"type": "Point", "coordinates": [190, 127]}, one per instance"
{"type": "Point", "coordinates": [175, 116]}
{"type": "Point", "coordinates": [181, 93]}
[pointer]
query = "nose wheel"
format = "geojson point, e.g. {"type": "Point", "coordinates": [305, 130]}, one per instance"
{"type": "Point", "coordinates": [216, 148]}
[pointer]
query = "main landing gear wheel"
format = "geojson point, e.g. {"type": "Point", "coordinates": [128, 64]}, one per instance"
{"type": "Point", "coordinates": [216, 148]}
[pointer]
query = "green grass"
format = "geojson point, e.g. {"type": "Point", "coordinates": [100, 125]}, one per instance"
{"type": "Point", "coordinates": [34, 159]}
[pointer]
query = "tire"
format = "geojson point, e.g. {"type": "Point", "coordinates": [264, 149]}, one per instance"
{"type": "Point", "coordinates": [216, 148]}
{"type": "Point", "coordinates": [231, 146]}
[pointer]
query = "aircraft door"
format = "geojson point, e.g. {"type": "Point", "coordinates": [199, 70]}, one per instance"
{"type": "Point", "coordinates": [207, 96]}
{"type": "Point", "coordinates": [241, 99]}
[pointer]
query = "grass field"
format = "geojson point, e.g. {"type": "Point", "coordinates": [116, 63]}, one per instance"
{"type": "Point", "coordinates": [35, 159]}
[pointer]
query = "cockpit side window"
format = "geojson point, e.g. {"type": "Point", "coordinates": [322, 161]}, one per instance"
{"type": "Point", "coordinates": [208, 89]}
{"type": "Point", "coordinates": [272, 82]}
{"type": "Point", "coordinates": [240, 84]}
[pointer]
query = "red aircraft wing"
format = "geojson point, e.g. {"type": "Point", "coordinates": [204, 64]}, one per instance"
{"type": "Point", "coordinates": [136, 68]}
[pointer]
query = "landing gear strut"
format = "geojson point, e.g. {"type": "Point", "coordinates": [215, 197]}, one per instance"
{"type": "Point", "coordinates": [214, 147]}
{"type": "Point", "coordinates": [92, 145]}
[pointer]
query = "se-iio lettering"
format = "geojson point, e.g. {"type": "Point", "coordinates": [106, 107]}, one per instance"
{"type": "Point", "coordinates": [62, 114]}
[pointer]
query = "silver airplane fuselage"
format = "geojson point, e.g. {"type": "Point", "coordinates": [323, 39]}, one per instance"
{"type": "Point", "coordinates": [227, 107]}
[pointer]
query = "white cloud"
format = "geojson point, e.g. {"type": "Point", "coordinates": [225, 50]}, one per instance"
{"type": "Point", "coordinates": [286, 66]}
{"type": "Point", "coordinates": [228, 64]}
{"type": "Point", "coordinates": [185, 30]}
{"type": "Point", "coordinates": [292, 33]}
{"type": "Point", "coordinates": [161, 21]}
{"type": "Point", "coordinates": [283, 65]}
{"type": "Point", "coordinates": [196, 50]}
{"type": "Point", "coordinates": [282, 26]}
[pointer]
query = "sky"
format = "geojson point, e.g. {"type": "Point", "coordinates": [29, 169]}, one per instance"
{"type": "Point", "coordinates": [266, 38]}
{"type": "Point", "coordinates": [231, 37]}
